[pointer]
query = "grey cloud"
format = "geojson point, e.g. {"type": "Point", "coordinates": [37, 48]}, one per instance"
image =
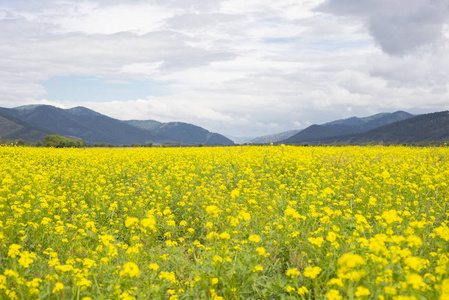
{"type": "Point", "coordinates": [22, 29]}
{"type": "Point", "coordinates": [223, 73]}
{"type": "Point", "coordinates": [26, 58]}
{"type": "Point", "coordinates": [399, 27]}
{"type": "Point", "coordinates": [193, 5]}
{"type": "Point", "coordinates": [431, 71]}
{"type": "Point", "coordinates": [28, 41]}
{"type": "Point", "coordinates": [196, 21]}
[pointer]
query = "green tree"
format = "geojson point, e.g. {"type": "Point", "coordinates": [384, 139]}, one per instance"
{"type": "Point", "coordinates": [58, 141]}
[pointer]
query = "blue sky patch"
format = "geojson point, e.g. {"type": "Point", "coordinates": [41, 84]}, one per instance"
{"type": "Point", "coordinates": [95, 89]}
{"type": "Point", "coordinates": [276, 40]}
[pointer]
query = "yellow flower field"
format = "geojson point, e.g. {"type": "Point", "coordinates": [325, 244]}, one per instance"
{"type": "Point", "coordinates": [275, 222]}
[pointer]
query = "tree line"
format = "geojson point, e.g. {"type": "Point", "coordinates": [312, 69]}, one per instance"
{"type": "Point", "coordinates": [57, 141]}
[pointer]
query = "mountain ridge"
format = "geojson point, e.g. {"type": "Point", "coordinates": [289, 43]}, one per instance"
{"type": "Point", "coordinates": [12, 128]}
{"type": "Point", "coordinates": [273, 138]}
{"type": "Point", "coordinates": [346, 126]}
{"type": "Point", "coordinates": [93, 127]}
{"type": "Point", "coordinates": [421, 128]}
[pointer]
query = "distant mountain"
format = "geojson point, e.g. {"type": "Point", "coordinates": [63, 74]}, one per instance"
{"type": "Point", "coordinates": [145, 124]}
{"type": "Point", "coordinates": [359, 121]}
{"type": "Point", "coordinates": [274, 138]}
{"type": "Point", "coordinates": [83, 112]}
{"type": "Point", "coordinates": [374, 121]}
{"type": "Point", "coordinates": [14, 129]}
{"type": "Point", "coordinates": [422, 128]}
{"type": "Point", "coordinates": [238, 139]}
{"type": "Point", "coordinates": [182, 133]}
{"type": "Point", "coordinates": [93, 127]}
{"type": "Point", "coordinates": [82, 123]}
{"type": "Point", "coordinates": [346, 126]}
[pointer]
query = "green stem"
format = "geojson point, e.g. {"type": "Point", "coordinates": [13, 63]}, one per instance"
{"type": "Point", "coordinates": [98, 288]}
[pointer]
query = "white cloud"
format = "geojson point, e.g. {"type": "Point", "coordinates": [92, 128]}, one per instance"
{"type": "Point", "coordinates": [139, 19]}
{"type": "Point", "coordinates": [399, 27]}
{"type": "Point", "coordinates": [236, 67]}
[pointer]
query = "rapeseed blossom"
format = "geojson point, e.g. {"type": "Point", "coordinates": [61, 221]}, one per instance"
{"type": "Point", "coordinates": [362, 291]}
{"type": "Point", "coordinates": [312, 272]}
{"type": "Point", "coordinates": [257, 268]}
{"type": "Point", "coordinates": [292, 272]}
{"type": "Point", "coordinates": [130, 269]}
{"type": "Point", "coordinates": [58, 287]}
{"type": "Point", "coordinates": [14, 250]}
{"type": "Point", "coordinates": [254, 238]}
{"type": "Point", "coordinates": [224, 223]}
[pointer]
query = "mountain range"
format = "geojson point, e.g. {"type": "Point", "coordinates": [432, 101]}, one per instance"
{"type": "Point", "coordinates": [33, 122]}
{"type": "Point", "coordinates": [346, 126]}
{"type": "Point", "coordinates": [422, 128]}
{"type": "Point", "coordinates": [273, 138]}
{"type": "Point", "coordinates": [334, 128]}
{"type": "Point", "coordinates": [398, 127]}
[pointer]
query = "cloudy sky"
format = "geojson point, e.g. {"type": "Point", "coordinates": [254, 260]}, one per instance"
{"type": "Point", "coordinates": [240, 68]}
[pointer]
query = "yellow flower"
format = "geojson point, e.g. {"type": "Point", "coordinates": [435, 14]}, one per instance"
{"type": "Point", "coordinates": [243, 215]}
{"type": "Point", "coordinates": [3, 282]}
{"type": "Point", "coordinates": [83, 283]}
{"type": "Point", "coordinates": [149, 222]}
{"type": "Point", "coordinates": [415, 281]}
{"type": "Point", "coordinates": [153, 266]}
{"type": "Point", "coordinates": [88, 263]}
{"type": "Point", "coordinates": [291, 212]}
{"type": "Point", "coordinates": [350, 261]}
{"type": "Point", "coordinates": [130, 269]}
{"type": "Point", "coordinates": [212, 210]}
{"type": "Point", "coordinates": [58, 286]}
{"type": "Point", "coordinates": [292, 272]}
{"type": "Point", "coordinates": [104, 260]}
{"type": "Point", "coordinates": [416, 263]}
{"type": "Point", "coordinates": [442, 232]}
{"type": "Point", "coordinates": [336, 281]}
{"type": "Point", "coordinates": [303, 290]}
{"type": "Point", "coordinates": [33, 283]}
{"type": "Point", "coordinates": [235, 193]}
{"type": "Point", "coordinates": [257, 268]}
{"type": "Point", "coordinates": [224, 236]}
{"type": "Point", "coordinates": [131, 221]}
{"type": "Point", "coordinates": [261, 251]}
{"type": "Point", "coordinates": [362, 291]}
{"type": "Point", "coordinates": [170, 276]}
{"type": "Point", "coordinates": [414, 241]}
{"type": "Point", "coordinates": [254, 238]}
{"type": "Point", "coordinates": [11, 294]}
{"type": "Point", "coordinates": [333, 295]}
{"type": "Point", "coordinates": [312, 272]}
{"type": "Point", "coordinates": [11, 273]}
{"type": "Point", "coordinates": [390, 290]}
{"type": "Point", "coordinates": [289, 289]}
{"type": "Point", "coordinates": [391, 216]}
{"type": "Point", "coordinates": [316, 241]}
{"type": "Point", "coordinates": [218, 258]}
{"type": "Point", "coordinates": [14, 250]}
{"type": "Point", "coordinates": [127, 296]}
{"type": "Point", "coordinates": [26, 259]}
{"type": "Point", "coordinates": [445, 289]}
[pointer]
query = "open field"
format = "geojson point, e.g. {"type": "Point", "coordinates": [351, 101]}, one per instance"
{"type": "Point", "coordinates": [232, 222]}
